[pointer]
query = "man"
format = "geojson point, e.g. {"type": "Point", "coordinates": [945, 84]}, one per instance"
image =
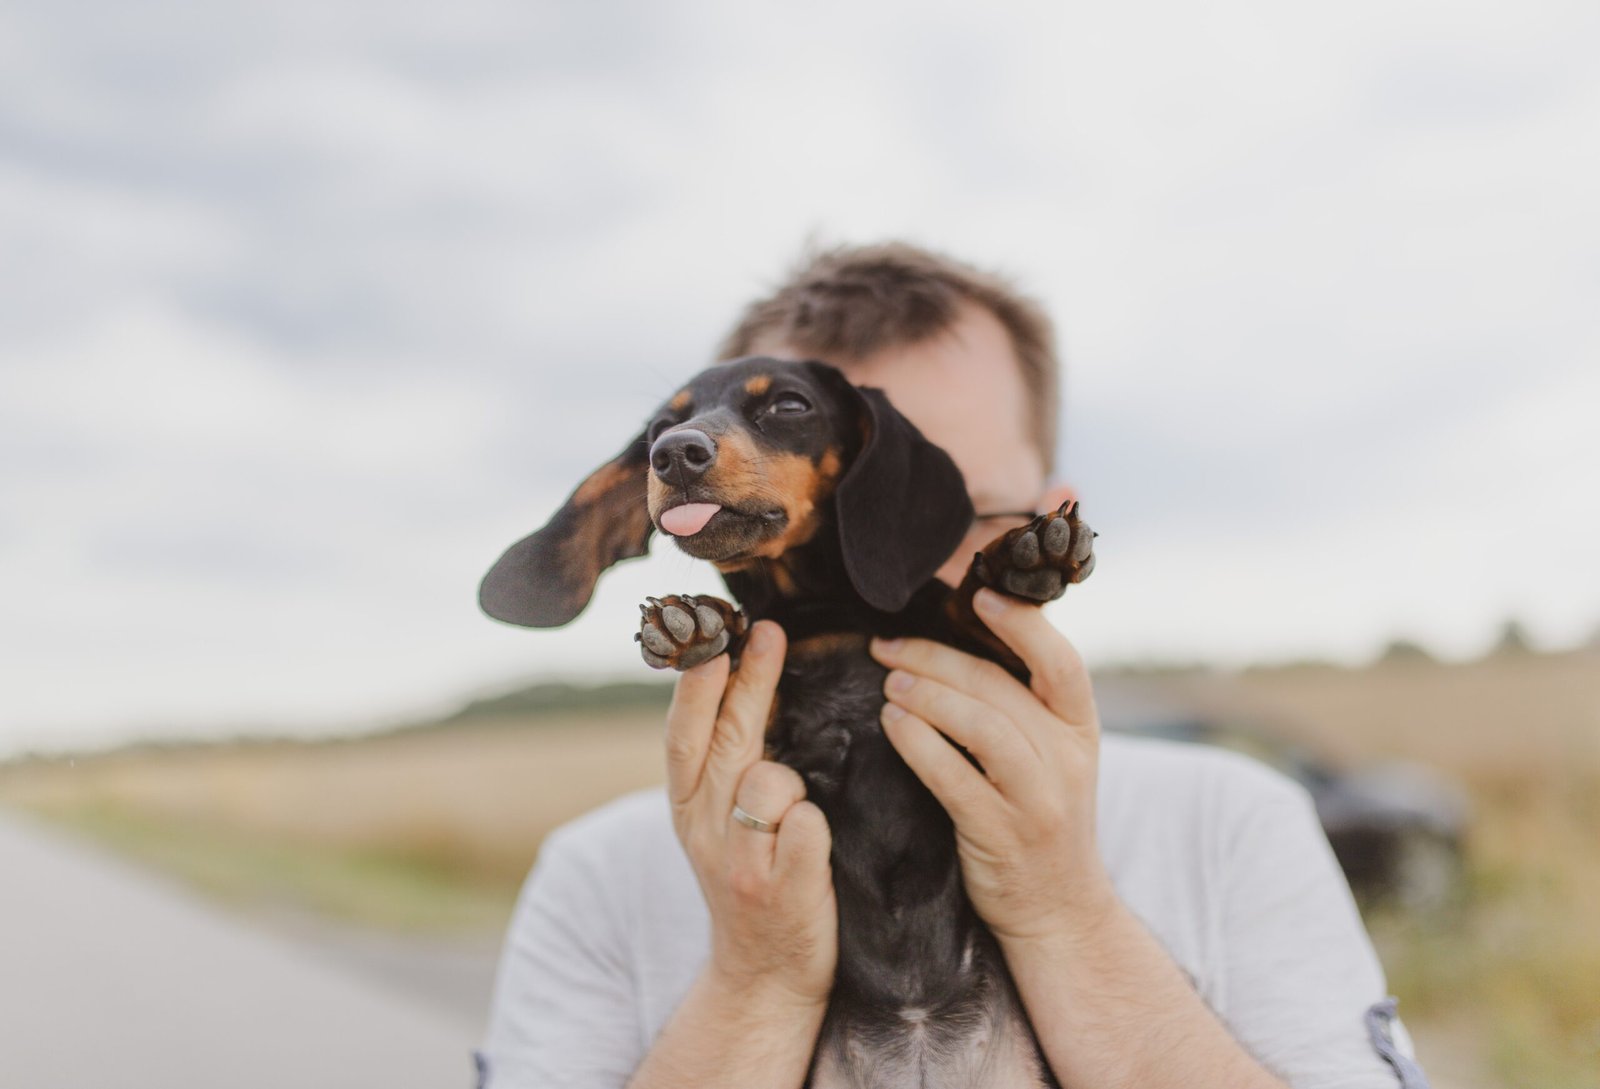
{"type": "Point", "coordinates": [1172, 915]}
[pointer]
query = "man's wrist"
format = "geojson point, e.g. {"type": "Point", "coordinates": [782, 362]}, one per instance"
{"type": "Point", "coordinates": [1090, 978]}
{"type": "Point", "coordinates": [1079, 921]}
{"type": "Point", "coordinates": [736, 1031]}
{"type": "Point", "coordinates": [748, 994]}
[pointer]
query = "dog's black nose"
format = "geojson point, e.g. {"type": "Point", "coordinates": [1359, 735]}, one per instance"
{"type": "Point", "coordinates": [682, 456]}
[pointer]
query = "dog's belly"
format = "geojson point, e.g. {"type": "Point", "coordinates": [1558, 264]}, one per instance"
{"type": "Point", "coordinates": [921, 995]}
{"type": "Point", "coordinates": [999, 1053]}
{"type": "Point", "coordinates": [980, 1039]}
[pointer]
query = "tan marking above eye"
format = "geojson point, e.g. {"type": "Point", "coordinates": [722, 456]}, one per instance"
{"type": "Point", "coordinates": [828, 467]}
{"type": "Point", "coordinates": [680, 401]}
{"type": "Point", "coordinates": [758, 385]}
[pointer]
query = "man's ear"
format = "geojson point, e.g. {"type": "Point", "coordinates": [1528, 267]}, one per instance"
{"type": "Point", "coordinates": [546, 579]}
{"type": "Point", "coordinates": [902, 507]}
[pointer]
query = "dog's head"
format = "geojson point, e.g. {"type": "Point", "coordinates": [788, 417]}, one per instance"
{"type": "Point", "coordinates": [750, 460]}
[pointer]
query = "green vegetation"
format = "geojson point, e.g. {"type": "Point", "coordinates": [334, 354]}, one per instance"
{"type": "Point", "coordinates": [1513, 639]}
{"type": "Point", "coordinates": [1406, 650]}
{"type": "Point", "coordinates": [548, 697]}
{"type": "Point", "coordinates": [1514, 965]}
{"type": "Point", "coordinates": [529, 706]}
{"type": "Point", "coordinates": [390, 888]}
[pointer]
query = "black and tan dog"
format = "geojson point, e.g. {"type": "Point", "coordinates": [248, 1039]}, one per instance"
{"type": "Point", "coordinates": [827, 511]}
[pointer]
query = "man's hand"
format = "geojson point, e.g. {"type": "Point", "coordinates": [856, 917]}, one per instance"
{"type": "Point", "coordinates": [752, 1017]}
{"type": "Point", "coordinates": [774, 926]}
{"type": "Point", "coordinates": [1106, 1002]}
{"type": "Point", "coordinates": [1025, 824]}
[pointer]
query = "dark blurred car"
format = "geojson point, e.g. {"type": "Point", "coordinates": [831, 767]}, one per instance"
{"type": "Point", "coordinates": [1396, 827]}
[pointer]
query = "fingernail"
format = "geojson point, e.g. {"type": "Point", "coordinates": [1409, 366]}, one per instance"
{"type": "Point", "coordinates": [988, 602]}
{"type": "Point", "coordinates": [760, 639]}
{"type": "Point", "coordinates": [900, 682]}
{"type": "Point", "coordinates": [893, 712]}
{"type": "Point", "coordinates": [888, 646]}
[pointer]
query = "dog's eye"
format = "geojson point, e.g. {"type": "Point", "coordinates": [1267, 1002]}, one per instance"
{"type": "Point", "coordinates": [789, 404]}
{"type": "Point", "coordinates": [653, 432]}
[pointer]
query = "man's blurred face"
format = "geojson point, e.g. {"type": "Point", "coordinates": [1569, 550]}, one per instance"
{"type": "Point", "coordinates": [964, 391]}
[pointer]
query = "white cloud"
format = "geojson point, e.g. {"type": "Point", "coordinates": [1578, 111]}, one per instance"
{"type": "Point", "coordinates": [310, 310]}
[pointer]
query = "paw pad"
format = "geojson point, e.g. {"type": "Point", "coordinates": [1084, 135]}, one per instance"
{"type": "Point", "coordinates": [680, 632]}
{"type": "Point", "coordinates": [1040, 560]}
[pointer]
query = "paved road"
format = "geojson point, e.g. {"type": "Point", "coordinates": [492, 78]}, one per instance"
{"type": "Point", "coordinates": [111, 978]}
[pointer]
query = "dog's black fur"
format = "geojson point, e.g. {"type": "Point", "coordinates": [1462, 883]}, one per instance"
{"type": "Point", "coordinates": [835, 514]}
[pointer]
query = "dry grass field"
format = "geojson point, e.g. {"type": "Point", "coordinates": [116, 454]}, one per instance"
{"type": "Point", "coordinates": [435, 828]}
{"type": "Point", "coordinates": [1504, 985]}
{"type": "Point", "coordinates": [430, 829]}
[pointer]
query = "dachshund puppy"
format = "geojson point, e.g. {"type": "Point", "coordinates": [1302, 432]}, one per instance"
{"type": "Point", "coordinates": [827, 511]}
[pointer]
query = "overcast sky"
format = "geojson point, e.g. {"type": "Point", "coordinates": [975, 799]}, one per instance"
{"type": "Point", "coordinates": [308, 309]}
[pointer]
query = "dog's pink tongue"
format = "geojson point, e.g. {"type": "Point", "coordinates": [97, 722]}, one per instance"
{"type": "Point", "coordinates": [689, 519]}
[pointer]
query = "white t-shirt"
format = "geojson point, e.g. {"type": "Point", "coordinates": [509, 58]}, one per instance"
{"type": "Point", "coordinates": [1222, 858]}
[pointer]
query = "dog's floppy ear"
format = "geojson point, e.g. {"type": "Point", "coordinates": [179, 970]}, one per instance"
{"type": "Point", "coordinates": [546, 579]}
{"type": "Point", "coordinates": [902, 507]}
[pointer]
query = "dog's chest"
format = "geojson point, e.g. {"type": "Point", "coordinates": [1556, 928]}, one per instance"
{"type": "Point", "coordinates": [829, 701]}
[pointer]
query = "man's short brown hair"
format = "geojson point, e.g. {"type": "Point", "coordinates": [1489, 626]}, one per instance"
{"type": "Point", "coordinates": [845, 303]}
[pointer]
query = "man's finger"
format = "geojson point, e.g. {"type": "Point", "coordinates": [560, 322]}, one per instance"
{"type": "Point", "coordinates": [1060, 679]}
{"type": "Point", "coordinates": [1007, 754]}
{"type": "Point", "coordinates": [959, 787]}
{"type": "Point", "coordinates": [976, 677]}
{"type": "Point", "coordinates": [690, 720]}
{"type": "Point", "coordinates": [804, 843]}
{"type": "Point", "coordinates": [742, 723]}
{"type": "Point", "coordinates": [766, 791]}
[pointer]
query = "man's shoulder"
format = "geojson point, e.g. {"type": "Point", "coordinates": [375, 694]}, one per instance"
{"type": "Point", "coordinates": [1190, 834]}
{"type": "Point", "coordinates": [629, 835]}
{"type": "Point", "coordinates": [1192, 774]}
{"type": "Point", "coordinates": [619, 871]}
{"type": "Point", "coordinates": [1158, 795]}
{"type": "Point", "coordinates": [641, 816]}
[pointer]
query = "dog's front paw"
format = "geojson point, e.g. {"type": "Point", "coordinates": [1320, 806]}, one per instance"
{"type": "Point", "coordinates": [1038, 561]}
{"type": "Point", "coordinates": [680, 632]}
